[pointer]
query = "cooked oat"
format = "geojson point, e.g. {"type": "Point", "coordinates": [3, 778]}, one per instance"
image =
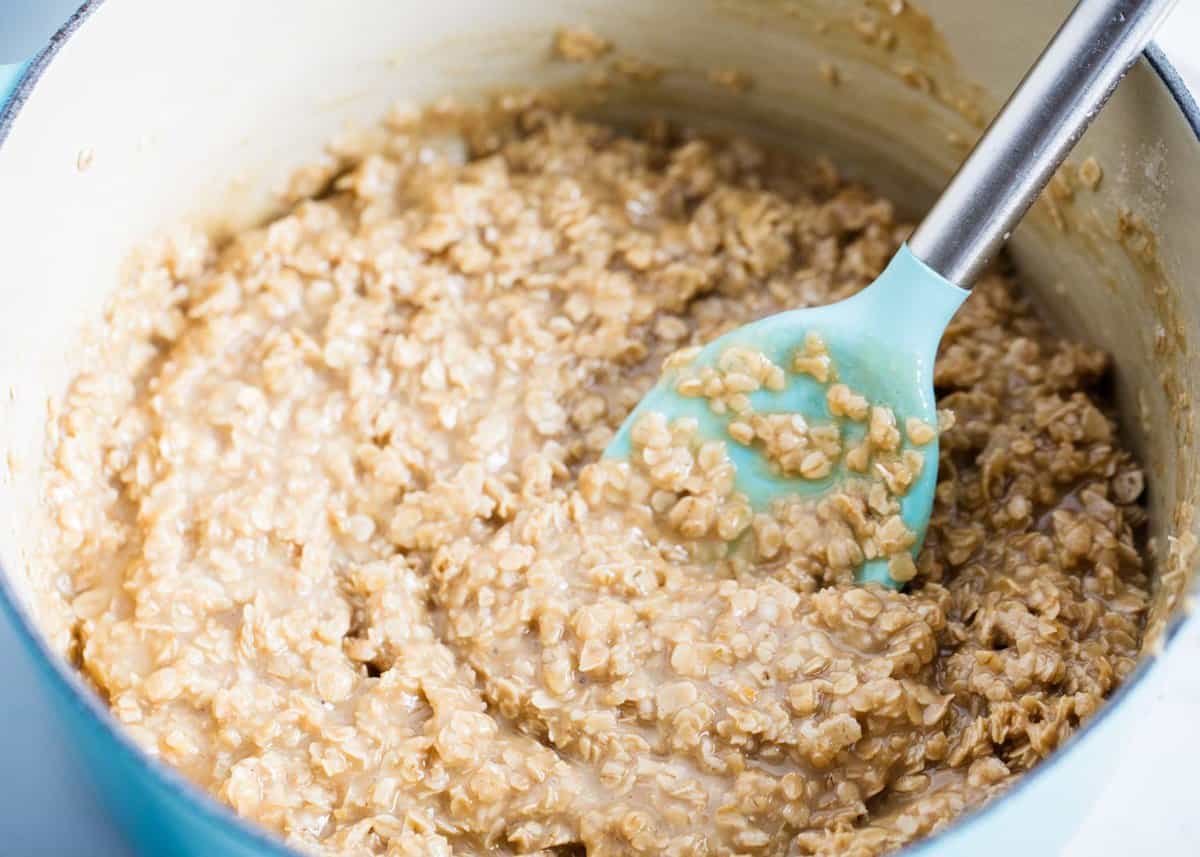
{"type": "Point", "coordinates": [1090, 173]}
{"type": "Point", "coordinates": [639, 70]}
{"type": "Point", "coordinates": [829, 73]}
{"type": "Point", "coordinates": [580, 44]}
{"type": "Point", "coordinates": [731, 78]}
{"type": "Point", "coordinates": [340, 547]}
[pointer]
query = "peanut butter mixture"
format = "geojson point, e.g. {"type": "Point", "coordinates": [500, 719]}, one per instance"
{"type": "Point", "coordinates": [340, 546]}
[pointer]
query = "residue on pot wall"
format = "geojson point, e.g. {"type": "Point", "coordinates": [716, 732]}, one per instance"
{"type": "Point", "coordinates": [892, 35]}
{"type": "Point", "coordinates": [1111, 225]}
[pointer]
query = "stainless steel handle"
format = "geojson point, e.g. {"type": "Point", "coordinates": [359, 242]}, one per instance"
{"type": "Point", "coordinates": [1033, 133]}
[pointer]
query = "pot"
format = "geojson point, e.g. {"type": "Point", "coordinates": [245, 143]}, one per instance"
{"type": "Point", "coordinates": [144, 113]}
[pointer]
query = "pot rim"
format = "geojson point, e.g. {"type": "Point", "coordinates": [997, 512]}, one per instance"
{"type": "Point", "coordinates": [67, 681]}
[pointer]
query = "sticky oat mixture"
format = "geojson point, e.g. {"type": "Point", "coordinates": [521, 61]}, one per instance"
{"type": "Point", "coordinates": [338, 546]}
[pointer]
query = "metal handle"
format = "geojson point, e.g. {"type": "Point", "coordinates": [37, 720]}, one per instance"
{"type": "Point", "coordinates": [1033, 133]}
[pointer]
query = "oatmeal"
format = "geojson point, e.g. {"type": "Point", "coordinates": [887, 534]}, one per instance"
{"type": "Point", "coordinates": [341, 548]}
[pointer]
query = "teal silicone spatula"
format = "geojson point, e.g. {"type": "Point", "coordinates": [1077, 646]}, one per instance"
{"type": "Point", "coordinates": [883, 340]}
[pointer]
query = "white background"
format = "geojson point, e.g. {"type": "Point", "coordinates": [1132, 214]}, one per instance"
{"type": "Point", "coordinates": [1150, 808]}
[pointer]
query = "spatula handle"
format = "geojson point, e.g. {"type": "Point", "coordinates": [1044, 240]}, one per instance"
{"type": "Point", "coordinates": [1033, 133]}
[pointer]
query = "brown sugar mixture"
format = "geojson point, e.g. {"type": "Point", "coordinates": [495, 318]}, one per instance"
{"type": "Point", "coordinates": [340, 546]}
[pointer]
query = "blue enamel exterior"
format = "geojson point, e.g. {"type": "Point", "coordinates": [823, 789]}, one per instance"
{"type": "Point", "coordinates": [9, 75]}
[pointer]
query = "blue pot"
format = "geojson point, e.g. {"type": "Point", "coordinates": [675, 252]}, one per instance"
{"type": "Point", "coordinates": [139, 112]}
